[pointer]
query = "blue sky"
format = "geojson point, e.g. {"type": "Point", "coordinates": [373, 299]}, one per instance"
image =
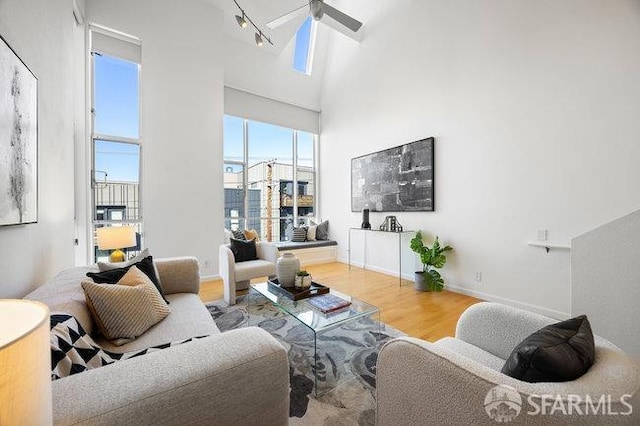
{"type": "Point", "coordinates": [301, 52]}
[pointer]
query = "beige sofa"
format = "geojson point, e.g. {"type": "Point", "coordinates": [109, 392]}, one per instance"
{"type": "Point", "coordinates": [449, 382]}
{"type": "Point", "coordinates": [236, 377]}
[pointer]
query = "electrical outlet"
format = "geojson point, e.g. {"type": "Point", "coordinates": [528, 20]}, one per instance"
{"type": "Point", "coordinates": [207, 263]}
{"type": "Point", "coordinates": [542, 234]}
{"type": "Point", "coordinates": [478, 276]}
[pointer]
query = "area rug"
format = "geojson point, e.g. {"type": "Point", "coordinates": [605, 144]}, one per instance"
{"type": "Point", "coordinates": [351, 350]}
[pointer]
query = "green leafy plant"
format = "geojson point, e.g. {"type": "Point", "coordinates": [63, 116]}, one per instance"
{"type": "Point", "coordinates": [303, 274]}
{"type": "Point", "coordinates": [432, 258]}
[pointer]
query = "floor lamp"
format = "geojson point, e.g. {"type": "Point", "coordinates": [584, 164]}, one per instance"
{"type": "Point", "coordinates": [25, 363]}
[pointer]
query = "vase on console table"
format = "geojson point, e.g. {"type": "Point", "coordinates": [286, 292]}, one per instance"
{"type": "Point", "coordinates": [287, 267]}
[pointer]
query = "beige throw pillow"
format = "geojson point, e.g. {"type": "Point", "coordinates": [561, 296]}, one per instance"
{"type": "Point", "coordinates": [125, 310]}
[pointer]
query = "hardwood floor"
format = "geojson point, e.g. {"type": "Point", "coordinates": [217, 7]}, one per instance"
{"type": "Point", "coordinates": [429, 316]}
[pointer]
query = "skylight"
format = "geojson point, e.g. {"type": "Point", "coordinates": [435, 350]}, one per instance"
{"type": "Point", "coordinates": [305, 40]}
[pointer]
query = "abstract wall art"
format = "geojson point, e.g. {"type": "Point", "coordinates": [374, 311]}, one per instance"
{"type": "Point", "coordinates": [399, 179]}
{"type": "Point", "coordinates": [18, 140]}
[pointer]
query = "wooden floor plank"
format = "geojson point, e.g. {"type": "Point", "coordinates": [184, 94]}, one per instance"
{"type": "Point", "coordinates": [429, 316]}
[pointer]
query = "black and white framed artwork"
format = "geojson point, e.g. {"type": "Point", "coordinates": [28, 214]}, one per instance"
{"type": "Point", "coordinates": [398, 179]}
{"type": "Point", "coordinates": [18, 140]}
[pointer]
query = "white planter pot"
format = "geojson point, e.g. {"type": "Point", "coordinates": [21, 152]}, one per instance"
{"type": "Point", "coordinates": [287, 267]}
{"type": "Point", "coordinates": [303, 282]}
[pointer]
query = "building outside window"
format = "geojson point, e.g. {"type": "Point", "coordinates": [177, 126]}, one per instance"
{"type": "Point", "coordinates": [269, 174]}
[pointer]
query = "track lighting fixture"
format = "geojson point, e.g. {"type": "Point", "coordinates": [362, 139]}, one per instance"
{"type": "Point", "coordinates": [259, 40]}
{"type": "Point", "coordinates": [245, 20]}
{"type": "Point", "coordinates": [241, 21]}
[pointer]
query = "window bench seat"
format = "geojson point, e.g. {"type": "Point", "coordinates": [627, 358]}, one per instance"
{"type": "Point", "coordinates": [311, 252]}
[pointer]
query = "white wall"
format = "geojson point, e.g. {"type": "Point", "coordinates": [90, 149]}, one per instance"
{"type": "Point", "coordinates": [605, 280]}
{"type": "Point", "coordinates": [534, 107]}
{"type": "Point", "coordinates": [181, 124]}
{"type": "Point", "coordinates": [44, 35]}
{"type": "Point", "coordinates": [255, 71]}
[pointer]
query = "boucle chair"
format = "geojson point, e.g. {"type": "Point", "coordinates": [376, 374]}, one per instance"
{"type": "Point", "coordinates": [449, 381]}
{"type": "Point", "coordinates": [236, 276]}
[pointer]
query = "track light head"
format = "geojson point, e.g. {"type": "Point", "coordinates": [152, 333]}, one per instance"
{"type": "Point", "coordinates": [259, 40]}
{"type": "Point", "coordinates": [241, 21]}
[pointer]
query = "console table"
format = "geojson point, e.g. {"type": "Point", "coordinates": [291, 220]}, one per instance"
{"type": "Point", "coordinates": [364, 263]}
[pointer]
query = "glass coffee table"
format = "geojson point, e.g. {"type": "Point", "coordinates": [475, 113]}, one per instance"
{"type": "Point", "coordinates": [318, 340]}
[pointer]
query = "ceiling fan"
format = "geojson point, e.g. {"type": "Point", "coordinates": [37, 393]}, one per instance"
{"type": "Point", "coordinates": [328, 15]}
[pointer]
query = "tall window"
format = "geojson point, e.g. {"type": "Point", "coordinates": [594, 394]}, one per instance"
{"type": "Point", "coordinates": [269, 177]}
{"type": "Point", "coordinates": [116, 150]}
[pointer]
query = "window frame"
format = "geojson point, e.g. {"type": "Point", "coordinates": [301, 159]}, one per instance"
{"type": "Point", "coordinates": [246, 184]}
{"type": "Point", "coordinates": [94, 137]}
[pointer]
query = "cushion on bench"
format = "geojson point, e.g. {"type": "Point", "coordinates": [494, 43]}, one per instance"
{"type": "Point", "coordinates": [288, 245]}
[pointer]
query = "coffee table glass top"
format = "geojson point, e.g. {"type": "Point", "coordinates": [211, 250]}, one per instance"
{"type": "Point", "coordinates": [313, 318]}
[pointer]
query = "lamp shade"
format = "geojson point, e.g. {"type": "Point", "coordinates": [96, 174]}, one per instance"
{"type": "Point", "coordinates": [116, 237]}
{"type": "Point", "coordinates": [25, 363]}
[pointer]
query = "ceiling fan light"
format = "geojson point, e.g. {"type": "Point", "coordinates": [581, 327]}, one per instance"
{"type": "Point", "coordinates": [241, 21]}
{"type": "Point", "coordinates": [259, 40]}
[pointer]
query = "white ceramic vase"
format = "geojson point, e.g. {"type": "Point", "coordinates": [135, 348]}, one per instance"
{"type": "Point", "coordinates": [287, 267]}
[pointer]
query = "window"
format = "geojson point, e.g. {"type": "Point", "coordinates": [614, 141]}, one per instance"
{"type": "Point", "coordinates": [116, 149]}
{"type": "Point", "coordinates": [305, 42]}
{"type": "Point", "coordinates": [272, 181]}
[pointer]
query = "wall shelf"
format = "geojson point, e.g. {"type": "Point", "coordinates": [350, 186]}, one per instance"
{"type": "Point", "coordinates": [548, 245]}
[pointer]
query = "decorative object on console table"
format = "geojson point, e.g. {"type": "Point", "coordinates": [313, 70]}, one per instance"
{"type": "Point", "coordinates": [303, 280]}
{"type": "Point", "coordinates": [328, 303]}
{"type": "Point", "coordinates": [429, 279]}
{"type": "Point", "coordinates": [365, 219]}
{"type": "Point", "coordinates": [18, 140]}
{"type": "Point", "coordinates": [391, 224]}
{"type": "Point", "coordinates": [116, 238]}
{"type": "Point", "coordinates": [25, 385]}
{"type": "Point", "coordinates": [287, 266]}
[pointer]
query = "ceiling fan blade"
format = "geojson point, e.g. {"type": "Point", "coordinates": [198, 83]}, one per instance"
{"type": "Point", "coordinates": [342, 18]}
{"type": "Point", "coordinates": [288, 17]}
{"type": "Point", "coordinates": [335, 25]}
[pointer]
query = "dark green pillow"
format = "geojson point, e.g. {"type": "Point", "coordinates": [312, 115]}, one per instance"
{"type": "Point", "coordinates": [112, 276]}
{"type": "Point", "coordinates": [556, 353]}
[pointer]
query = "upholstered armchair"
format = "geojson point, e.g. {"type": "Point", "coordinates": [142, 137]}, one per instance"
{"type": "Point", "coordinates": [451, 381]}
{"type": "Point", "coordinates": [236, 276]}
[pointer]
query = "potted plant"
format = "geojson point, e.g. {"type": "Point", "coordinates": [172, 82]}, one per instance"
{"type": "Point", "coordinates": [429, 279]}
{"type": "Point", "coordinates": [303, 279]}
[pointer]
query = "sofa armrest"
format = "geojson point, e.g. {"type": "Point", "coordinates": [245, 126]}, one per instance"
{"type": "Point", "coordinates": [498, 328]}
{"type": "Point", "coordinates": [418, 380]}
{"type": "Point", "coordinates": [227, 268]}
{"type": "Point", "coordinates": [179, 274]}
{"type": "Point", "coordinates": [237, 377]}
{"type": "Point", "coordinates": [267, 251]}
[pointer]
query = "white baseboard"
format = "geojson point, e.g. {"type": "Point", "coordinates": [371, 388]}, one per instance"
{"type": "Point", "coordinates": [210, 278]}
{"type": "Point", "coordinates": [552, 313]}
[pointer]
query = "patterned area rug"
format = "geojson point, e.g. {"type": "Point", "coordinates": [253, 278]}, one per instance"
{"type": "Point", "coordinates": [345, 352]}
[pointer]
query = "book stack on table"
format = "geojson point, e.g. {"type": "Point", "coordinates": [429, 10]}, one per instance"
{"type": "Point", "coordinates": [328, 303]}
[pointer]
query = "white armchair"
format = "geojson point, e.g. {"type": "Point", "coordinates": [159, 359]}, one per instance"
{"type": "Point", "coordinates": [446, 382]}
{"type": "Point", "coordinates": [236, 276]}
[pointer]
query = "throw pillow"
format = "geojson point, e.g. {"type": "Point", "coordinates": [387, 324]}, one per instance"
{"type": "Point", "coordinates": [322, 232]}
{"type": "Point", "coordinates": [113, 275]}
{"type": "Point", "coordinates": [557, 353]}
{"type": "Point", "coordinates": [244, 250]}
{"type": "Point", "coordinates": [251, 234]}
{"type": "Point", "coordinates": [238, 235]}
{"type": "Point", "coordinates": [311, 232]}
{"type": "Point", "coordinates": [107, 266]}
{"type": "Point", "coordinates": [299, 234]}
{"type": "Point", "coordinates": [127, 309]}
{"type": "Point", "coordinates": [74, 351]}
